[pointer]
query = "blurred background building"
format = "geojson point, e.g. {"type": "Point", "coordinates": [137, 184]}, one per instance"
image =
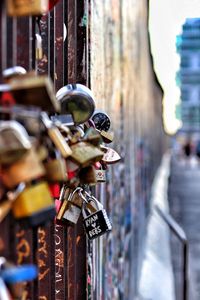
{"type": "Point", "coordinates": [188, 77]}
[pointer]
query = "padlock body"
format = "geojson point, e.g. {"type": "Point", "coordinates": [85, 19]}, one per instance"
{"type": "Point", "coordinates": [85, 153]}
{"type": "Point", "coordinates": [97, 224]}
{"type": "Point", "coordinates": [24, 170]}
{"type": "Point", "coordinates": [100, 175]}
{"type": "Point", "coordinates": [34, 203]}
{"type": "Point", "coordinates": [56, 170]}
{"type": "Point", "coordinates": [59, 141]}
{"type": "Point", "coordinates": [26, 7]}
{"type": "Point", "coordinates": [87, 175]}
{"type": "Point", "coordinates": [72, 213]}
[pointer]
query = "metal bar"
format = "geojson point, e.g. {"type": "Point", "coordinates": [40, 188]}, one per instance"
{"type": "Point", "coordinates": [180, 234]}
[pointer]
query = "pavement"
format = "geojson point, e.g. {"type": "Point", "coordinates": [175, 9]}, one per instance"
{"type": "Point", "coordinates": [157, 280]}
{"type": "Point", "coordinates": [184, 201]}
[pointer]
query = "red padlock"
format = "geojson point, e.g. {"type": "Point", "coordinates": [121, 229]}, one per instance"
{"type": "Point", "coordinates": [55, 190]}
{"type": "Point", "coordinates": [52, 3]}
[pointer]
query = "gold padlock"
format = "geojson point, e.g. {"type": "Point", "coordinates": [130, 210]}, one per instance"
{"type": "Point", "coordinates": [56, 136]}
{"type": "Point", "coordinates": [93, 136]}
{"type": "Point", "coordinates": [26, 169]}
{"type": "Point", "coordinates": [56, 170]}
{"type": "Point", "coordinates": [64, 198]}
{"type": "Point", "coordinates": [85, 153]}
{"type": "Point", "coordinates": [31, 89]}
{"type": "Point", "coordinates": [18, 8]}
{"type": "Point", "coordinates": [34, 204]}
{"type": "Point", "coordinates": [107, 136]}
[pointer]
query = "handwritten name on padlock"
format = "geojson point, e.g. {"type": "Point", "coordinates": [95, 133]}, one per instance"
{"type": "Point", "coordinates": [91, 224]}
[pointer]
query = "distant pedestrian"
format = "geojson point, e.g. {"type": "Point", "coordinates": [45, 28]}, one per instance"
{"type": "Point", "coordinates": [198, 150]}
{"type": "Point", "coordinates": [187, 149]}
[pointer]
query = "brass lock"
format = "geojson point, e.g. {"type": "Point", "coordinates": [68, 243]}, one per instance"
{"type": "Point", "coordinates": [107, 137]}
{"type": "Point", "coordinates": [33, 90]}
{"type": "Point", "coordinates": [14, 142]}
{"type": "Point", "coordinates": [64, 196]}
{"type": "Point", "coordinates": [34, 205]}
{"type": "Point", "coordinates": [87, 175]}
{"type": "Point", "coordinates": [56, 136]}
{"type": "Point", "coordinates": [55, 167]}
{"type": "Point", "coordinates": [85, 153]}
{"type": "Point", "coordinates": [93, 136]}
{"type": "Point", "coordinates": [26, 169]}
{"type": "Point", "coordinates": [18, 8]}
{"type": "Point", "coordinates": [38, 50]}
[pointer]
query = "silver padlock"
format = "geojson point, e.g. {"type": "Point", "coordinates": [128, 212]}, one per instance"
{"type": "Point", "coordinates": [100, 175]}
{"type": "Point", "coordinates": [96, 223]}
{"type": "Point", "coordinates": [74, 207]}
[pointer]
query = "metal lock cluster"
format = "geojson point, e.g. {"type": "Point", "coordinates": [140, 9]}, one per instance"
{"type": "Point", "coordinates": [48, 140]}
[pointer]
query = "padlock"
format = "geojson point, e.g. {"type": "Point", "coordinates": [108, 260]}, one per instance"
{"type": "Point", "coordinates": [111, 156]}
{"type": "Point", "coordinates": [95, 223]}
{"type": "Point", "coordinates": [93, 136]}
{"type": "Point", "coordinates": [18, 8]}
{"type": "Point", "coordinates": [55, 136]}
{"type": "Point", "coordinates": [64, 196]}
{"type": "Point", "coordinates": [34, 90]}
{"type": "Point", "coordinates": [14, 142]}
{"type": "Point", "coordinates": [107, 137]}
{"type": "Point", "coordinates": [55, 167]}
{"type": "Point", "coordinates": [77, 100]}
{"type": "Point", "coordinates": [56, 170]}
{"type": "Point", "coordinates": [87, 175]}
{"type": "Point", "coordinates": [52, 3]}
{"type": "Point", "coordinates": [26, 169]}
{"type": "Point", "coordinates": [38, 45]}
{"type": "Point", "coordinates": [74, 206]}
{"type": "Point", "coordinates": [55, 190]}
{"type": "Point", "coordinates": [12, 72]}
{"type": "Point", "coordinates": [34, 206]}
{"type": "Point", "coordinates": [5, 206]}
{"type": "Point", "coordinates": [85, 153]}
{"type": "Point", "coordinates": [100, 174]}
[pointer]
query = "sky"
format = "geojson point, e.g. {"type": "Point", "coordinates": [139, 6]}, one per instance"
{"type": "Point", "coordinates": [166, 18]}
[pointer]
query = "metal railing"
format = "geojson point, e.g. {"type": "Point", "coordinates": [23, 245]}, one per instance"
{"type": "Point", "coordinates": [180, 234]}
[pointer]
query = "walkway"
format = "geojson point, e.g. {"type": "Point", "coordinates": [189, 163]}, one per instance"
{"type": "Point", "coordinates": [184, 201]}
